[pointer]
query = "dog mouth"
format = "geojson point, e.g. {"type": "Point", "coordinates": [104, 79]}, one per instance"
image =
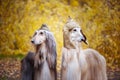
{"type": "Point", "coordinates": [84, 41]}
{"type": "Point", "coordinates": [34, 43]}
{"type": "Point", "coordinates": [80, 41]}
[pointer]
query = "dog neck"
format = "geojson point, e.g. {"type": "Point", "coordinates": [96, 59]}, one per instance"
{"type": "Point", "coordinates": [41, 51]}
{"type": "Point", "coordinates": [74, 45]}
{"type": "Point", "coordinates": [67, 43]}
{"type": "Point", "coordinates": [78, 46]}
{"type": "Point", "coordinates": [41, 48]}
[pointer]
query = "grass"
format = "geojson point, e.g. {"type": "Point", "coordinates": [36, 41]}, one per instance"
{"type": "Point", "coordinates": [3, 78]}
{"type": "Point", "coordinates": [16, 56]}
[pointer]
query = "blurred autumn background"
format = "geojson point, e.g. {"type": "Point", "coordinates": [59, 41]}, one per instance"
{"type": "Point", "coordinates": [99, 19]}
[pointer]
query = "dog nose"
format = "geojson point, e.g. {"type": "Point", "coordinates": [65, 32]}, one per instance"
{"type": "Point", "coordinates": [32, 41]}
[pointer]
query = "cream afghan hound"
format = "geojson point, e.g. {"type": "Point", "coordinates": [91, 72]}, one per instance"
{"type": "Point", "coordinates": [78, 63]}
{"type": "Point", "coordinates": [44, 60]}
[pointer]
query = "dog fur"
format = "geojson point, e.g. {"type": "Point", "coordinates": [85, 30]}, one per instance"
{"type": "Point", "coordinates": [78, 63]}
{"type": "Point", "coordinates": [27, 68]}
{"type": "Point", "coordinates": [44, 63]}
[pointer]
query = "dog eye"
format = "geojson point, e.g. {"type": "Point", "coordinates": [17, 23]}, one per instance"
{"type": "Point", "coordinates": [41, 33]}
{"type": "Point", "coordinates": [74, 30]}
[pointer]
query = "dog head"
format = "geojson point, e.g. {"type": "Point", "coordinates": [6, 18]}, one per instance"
{"type": "Point", "coordinates": [39, 36]}
{"type": "Point", "coordinates": [72, 33]}
{"type": "Point", "coordinates": [44, 36]}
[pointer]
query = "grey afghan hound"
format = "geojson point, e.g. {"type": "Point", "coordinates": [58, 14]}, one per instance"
{"type": "Point", "coordinates": [78, 63]}
{"type": "Point", "coordinates": [41, 65]}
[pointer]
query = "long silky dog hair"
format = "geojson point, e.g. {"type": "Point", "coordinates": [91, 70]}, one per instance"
{"type": "Point", "coordinates": [78, 63]}
{"type": "Point", "coordinates": [27, 68]}
{"type": "Point", "coordinates": [43, 65]}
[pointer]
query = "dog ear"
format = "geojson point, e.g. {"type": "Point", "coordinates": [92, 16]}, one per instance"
{"type": "Point", "coordinates": [51, 46]}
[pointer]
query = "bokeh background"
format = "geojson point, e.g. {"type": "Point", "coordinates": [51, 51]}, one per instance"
{"type": "Point", "coordinates": [99, 20]}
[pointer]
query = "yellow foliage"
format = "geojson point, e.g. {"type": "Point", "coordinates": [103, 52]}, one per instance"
{"type": "Point", "coordinates": [99, 21]}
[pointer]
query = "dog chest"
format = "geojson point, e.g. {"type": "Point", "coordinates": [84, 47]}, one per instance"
{"type": "Point", "coordinates": [43, 73]}
{"type": "Point", "coordinates": [70, 65]}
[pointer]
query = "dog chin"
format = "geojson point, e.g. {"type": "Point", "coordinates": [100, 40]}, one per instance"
{"type": "Point", "coordinates": [37, 44]}
{"type": "Point", "coordinates": [79, 40]}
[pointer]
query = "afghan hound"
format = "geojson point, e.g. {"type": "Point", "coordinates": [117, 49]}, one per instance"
{"type": "Point", "coordinates": [78, 63]}
{"type": "Point", "coordinates": [44, 61]}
